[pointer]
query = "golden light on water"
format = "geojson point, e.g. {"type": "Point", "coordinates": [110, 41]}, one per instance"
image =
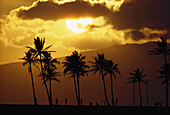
{"type": "Point", "coordinates": [79, 25]}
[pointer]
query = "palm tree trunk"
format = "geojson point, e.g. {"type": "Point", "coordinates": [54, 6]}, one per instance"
{"type": "Point", "coordinates": [78, 86]}
{"type": "Point", "coordinates": [166, 83]}
{"type": "Point", "coordinates": [75, 87]}
{"type": "Point", "coordinates": [165, 58]}
{"type": "Point", "coordinates": [105, 90]}
{"type": "Point", "coordinates": [133, 94]}
{"type": "Point", "coordinates": [112, 89]}
{"type": "Point", "coordinates": [50, 93]}
{"type": "Point", "coordinates": [140, 94]}
{"type": "Point", "coordinates": [45, 82]}
{"type": "Point", "coordinates": [33, 89]}
{"type": "Point", "coordinates": [166, 92]}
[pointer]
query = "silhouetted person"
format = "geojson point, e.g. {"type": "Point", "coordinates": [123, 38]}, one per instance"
{"type": "Point", "coordinates": [158, 103]}
{"type": "Point", "coordinates": [91, 103]}
{"type": "Point", "coordinates": [35, 101]}
{"type": "Point", "coordinates": [56, 101]}
{"type": "Point", "coordinates": [81, 101]}
{"type": "Point", "coordinates": [104, 102]}
{"type": "Point", "coordinates": [66, 101]}
{"type": "Point", "coordinates": [97, 104]}
{"type": "Point", "coordinates": [116, 101]}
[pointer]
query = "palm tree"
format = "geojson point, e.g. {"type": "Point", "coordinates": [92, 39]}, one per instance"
{"type": "Point", "coordinates": [76, 67]}
{"type": "Point", "coordinates": [138, 76]}
{"type": "Point", "coordinates": [132, 80]}
{"type": "Point", "coordinates": [111, 68]}
{"type": "Point", "coordinates": [50, 70]}
{"type": "Point", "coordinates": [38, 51]}
{"type": "Point", "coordinates": [29, 59]}
{"type": "Point", "coordinates": [165, 73]}
{"type": "Point", "coordinates": [99, 65]}
{"type": "Point", "coordinates": [162, 49]}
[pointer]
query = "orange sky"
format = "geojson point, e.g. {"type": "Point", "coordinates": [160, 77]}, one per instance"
{"type": "Point", "coordinates": [114, 23]}
{"type": "Point", "coordinates": [23, 20]}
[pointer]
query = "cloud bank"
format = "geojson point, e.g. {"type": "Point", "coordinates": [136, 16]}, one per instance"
{"type": "Point", "coordinates": [131, 14]}
{"type": "Point", "coordinates": [115, 22]}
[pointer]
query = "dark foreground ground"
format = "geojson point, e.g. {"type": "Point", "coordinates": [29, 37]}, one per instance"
{"type": "Point", "coordinates": [61, 109]}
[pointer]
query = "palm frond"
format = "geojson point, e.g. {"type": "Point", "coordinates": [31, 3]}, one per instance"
{"type": "Point", "coordinates": [129, 82]}
{"type": "Point", "coordinates": [56, 80]}
{"type": "Point", "coordinates": [24, 63]}
{"type": "Point", "coordinates": [71, 76]}
{"type": "Point", "coordinates": [48, 47]}
{"type": "Point", "coordinates": [114, 75]}
{"type": "Point", "coordinates": [132, 78]}
{"type": "Point", "coordinates": [36, 66]}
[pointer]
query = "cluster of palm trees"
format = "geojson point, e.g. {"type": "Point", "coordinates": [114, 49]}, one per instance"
{"type": "Point", "coordinates": [162, 49]}
{"type": "Point", "coordinates": [75, 66]}
{"type": "Point", "coordinates": [138, 76]}
{"type": "Point", "coordinates": [39, 54]}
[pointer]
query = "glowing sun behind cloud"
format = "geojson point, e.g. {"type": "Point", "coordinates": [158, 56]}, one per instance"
{"type": "Point", "coordinates": [79, 25]}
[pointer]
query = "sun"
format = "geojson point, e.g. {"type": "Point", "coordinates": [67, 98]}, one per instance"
{"type": "Point", "coordinates": [79, 25]}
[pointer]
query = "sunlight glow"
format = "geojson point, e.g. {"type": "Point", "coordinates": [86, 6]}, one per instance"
{"type": "Point", "coordinates": [79, 25]}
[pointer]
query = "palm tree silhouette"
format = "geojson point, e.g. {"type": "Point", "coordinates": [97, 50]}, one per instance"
{"type": "Point", "coordinates": [50, 70]}
{"type": "Point", "coordinates": [162, 49]}
{"type": "Point", "coordinates": [164, 73]}
{"type": "Point", "coordinates": [76, 67]}
{"type": "Point", "coordinates": [38, 51]}
{"type": "Point", "coordinates": [138, 76]}
{"type": "Point", "coordinates": [132, 80]}
{"type": "Point", "coordinates": [99, 65]}
{"type": "Point", "coordinates": [29, 59]}
{"type": "Point", "coordinates": [111, 68]}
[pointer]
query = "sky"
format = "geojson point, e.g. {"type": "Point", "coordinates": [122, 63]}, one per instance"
{"type": "Point", "coordinates": [114, 22]}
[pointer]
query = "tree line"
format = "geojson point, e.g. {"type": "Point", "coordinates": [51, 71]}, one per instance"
{"type": "Point", "coordinates": [75, 66]}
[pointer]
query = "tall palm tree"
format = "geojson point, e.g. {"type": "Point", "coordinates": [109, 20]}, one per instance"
{"type": "Point", "coordinates": [38, 51]}
{"type": "Point", "coordinates": [76, 67]}
{"type": "Point", "coordinates": [111, 68]}
{"type": "Point", "coordinates": [162, 49]}
{"type": "Point", "coordinates": [50, 70]}
{"type": "Point", "coordinates": [99, 65]}
{"type": "Point", "coordinates": [29, 59]}
{"type": "Point", "coordinates": [138, 76]}
{"type": "Point", "coordinates": [132, 80]}
{"type": "Point", "coordinates": [165, 73]}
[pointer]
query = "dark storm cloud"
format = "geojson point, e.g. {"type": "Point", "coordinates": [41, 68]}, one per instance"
{"type": "Point", "coordinates": [154, 35]}
{"type": "Point", "coordinates": [52, 11]}
{"type": "Point", "coordinates": [135, 35]}
{"type": "Point", "coordinates": [154, 14]}
{"type": "Point", "coordinates": [136, 14]}
{"type": "Point", "coordinates": [133, 14]}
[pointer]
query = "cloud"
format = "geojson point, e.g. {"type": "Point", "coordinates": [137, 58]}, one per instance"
{"type": "Point", "coordinates": [46, 18]}
{"type": "Point", "coordinates": [131, 14]}
{"type": "Point", "coordinates": [137, 14]}
{"type": "Point", "coordinates": [144, 34]}
{"type": "Point", "coordinates": [53, 11]}
{"type": "Point", "coordinates": [135, 35]}
{"type": "Point", "coordinates": [130, 23]}
{"type": "Point", "coordinates": [95, 39]}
